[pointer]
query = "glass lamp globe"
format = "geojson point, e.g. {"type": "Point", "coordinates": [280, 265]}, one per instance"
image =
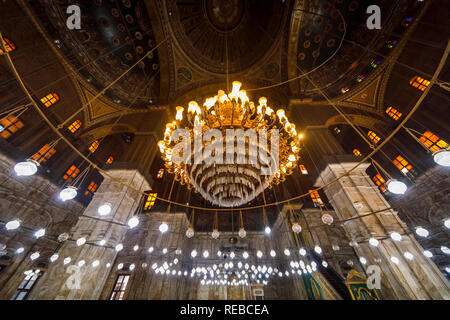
{"type": "Point", "coordinates": [12, 225]}
{"type": "Point", "coordinates": [373, 242]}
{"type": "Point", "coordinates": [193, 253]}
{"type": "Point", "coordinates": [20, 250]}
{"type": "Point", "coordinates": [39, 233]}
{"type": "Point", "coordinates": [163, 227]}
{"type": "Point", "coordinates": [95, 263]}
{"type": "Point", "coordinates": [54, 257]}
{"type": "Point", "coordinates": [104, 209]}
{"type": "Point", "coordinates": [396, 236]}
{"type": "Point", "coordinates": [215, 234]}
{"type": "Point", "coordinates": [363, 260]}
{"type": "Point", "coordinates": [327, 218]}
{"type": "Point", "coordinates": [267, 230]}
{"type": "Point", "coordinates": [259, 254]}
{"type": "Point", "coordinates": [442, 157]}
{"type": "Point", "coordinates": [63, 237]}
{"type": "Point", "coordinates": [133, 222]}
{"type": "Point", "coordinates": [68, 193]}
{"type": "Point", "coordinates": [428, 253]}
{"type": "Point", "coordinates": [245, 255]}
{"type": "Point", "coordinates": [296, 227]}
{"type": "Point", "coordinates": [26, 168]}
{"type": "Point", "coordinates": [302, 252]}
{"type": "Point", "coordinates": [287, 252]}
{"type": "Point", "coordinates": [396, 187]}
{"type": "Point", "coordinates": [190, 232]}
{"type": "Point", "coordinates": [119, 247]}
{"type": "Point", "coordinates": [205, 254]}
{"type": "Point", "coordinates": [35, 255]}
{"type": "Point", "coordinates": [67, 260]}
{"type": "Point", "coordinates": [242, 233]}
{"type": "Point", "coordinates": [318, 249]}
{"type": "Point", "coordinates": [422, 232]}
{"type": "Point", "coordinates": [81, 241]}
{"type": "Point", "coordinates": [447, 223]}
{"type": "Point", "coordinates": [408, 255]}
{"type": "Point", "coordinates": [272, 253]}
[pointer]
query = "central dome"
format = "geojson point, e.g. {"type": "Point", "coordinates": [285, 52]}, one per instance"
{"type": "Point", "coordinates": [225, 15]}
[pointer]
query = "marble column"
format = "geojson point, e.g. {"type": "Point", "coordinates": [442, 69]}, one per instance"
{"type": "Point", "coordinates": [356, 196]}
{"type": "Point", "coordinates": [72, 281]}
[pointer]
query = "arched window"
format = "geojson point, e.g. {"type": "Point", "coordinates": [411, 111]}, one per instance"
{"type": "Point", "coordinates": [119, 287]}
{"type": "Point", "coordinates": [110, 160]}
{"type": "Point", "coordinates": [373, 137]}
{"type": "Point", "coordinates": [380, 182]}
{"type": "Point", "coordinates": [92, 187]}
{"type": "Point", "coordinates": [393, 113]}
{"type": "Point", "coordinates": [75, 126]}
{"type": "Point", "coordinates": [94, 145]}
{"type": "Point", "coordinates": [160, 173]}
{"type": "Point", "coordinates": [357, 153]}
{"type": "Point", "coordinates": [315, 197]}
{"type": "Point", "coordinates": [9, 125]}
{"type": "Point", "coordinates": [419, 83]}
{"type": "Point", "coordinates": [44, 153]}
{"type": "Point", "coordinates": [71, 173]}
{"type": "Point", "coordinates": [9, 45]}
{"type": "Point", "coordinates": [50, 99]}
{"type": "Point", "coordinates": [402, 164]}
{"type": "Point", "coordinates": [150, 201]}
{"type": "Point", "coordinates": [432, 141]}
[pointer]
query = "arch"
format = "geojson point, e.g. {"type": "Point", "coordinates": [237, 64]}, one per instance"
{"type": "Point", "coordinates": [358, 120]}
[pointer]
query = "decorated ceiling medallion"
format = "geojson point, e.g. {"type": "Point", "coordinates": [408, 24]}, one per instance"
{"type": "Point", "coordinates": [200, 147]}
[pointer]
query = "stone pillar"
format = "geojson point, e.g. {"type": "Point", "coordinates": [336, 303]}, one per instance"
{"type": "Point", "coordinates": [86, 282]}
{"type": "Point", "coordinates": [355, 195]}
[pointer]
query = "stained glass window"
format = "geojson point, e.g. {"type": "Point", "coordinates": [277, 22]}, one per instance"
{"type": "Point", "coordinates": [402, 164]}
{"type": "Point", "coordinates": [9, 45]}
{"type": "Point", "coordinates": [303, 169]}
{"type": "Point", "coordinates": [373, 136]}
{"type": "Point", "coordinates": [94, 145]}
{"type": "Point", "coordinates": [92, 187]}
{"type": "Point", "coordinates": [10, 125]}
{"type": "Point", "coordinates": [120, 287]}
{"type": "Point", "coordinates": [419, 83]}
{"type": "Point", "coordinates": [380, 182]}
{"type": "Point", "coordinates": [71, 173]}
{"type": "Point", "coordinates": [315, 197]}
{"type": "Point", "coordinates": [432, 141]}
{"type": "Point", "coordinates": [44, 154]}
{"type": "Point", "coordinates": [357, 153]}
{"type": "Point", "coordinates": [393, 113]}
{"type": "Point", "coordinates": [75, 126]}
{"type": "Point", "coordinates": [50, 99]}
{"type": "Point", "coordinates": [150, 201]}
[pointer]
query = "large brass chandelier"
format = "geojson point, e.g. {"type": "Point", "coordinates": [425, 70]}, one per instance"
{"type": "Point", "coordinates": [236, 179]}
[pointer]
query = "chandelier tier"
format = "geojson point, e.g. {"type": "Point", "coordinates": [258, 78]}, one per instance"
{"type": "Point", "coordinates": [222, 183]}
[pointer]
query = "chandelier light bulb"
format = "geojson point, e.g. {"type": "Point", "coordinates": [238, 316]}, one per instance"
{"type": "Point", "coordinates": [447, 223]}
{"type": "Point", "coordinates": [215, 234]}
{"type": "Point", "coordinates": [20, 250]}
{"type": "Point", "coordinates": [164, 251]}
{"type": "Point", "coordinates": [12, 225]}
{"type": "Point", "coordinates": [81, 263]}
{"type": "Point", "coordinates": [245, 255]}
{"type": "Point", "coordinates": [119, 247]}
{"type": "Point", "coordinates": [39, 233]}
{"type": "Point", "coordinates": [104, 209]}
{"type": "Point", "coordinates": [442, 157]}
{"type": "Point", "coordinates": [296, 227]}
{"type": "Point", "coordinates": [302, 251]}
{"type": "Point", "coordinates": [396, 236]}
{"type": "Point", "coordinates": [26, 168]}
{"type": "Point", "coordinates": [163, 227]}
{"type": "Point", "coordinates": [373, 242]}
{"type": "Point", "coordinates": [287, 252]}
{"type": "Point", "coordinates": [362, 260]}
{"type": "Point", "coordinates": [81, 241]}
{"type": "Point", "coordinates": [395, 260]}
{"type": "Point", "coordinates": [67, 260]}
{"type": "Point", "coordinates": [190, 232]}
{"type": "Point", "coordinates": [232, 255]}
{"type": "Point", "coordinates": [272, 253]}
{"type": "Point", "coordinates": [396, 187]}
{"type": "Point", "coordinates": [68, 193]}
{"type": "Point", "coordinates": [318, 249]}
{"type": "Point", "coordinates": [335, 247]}
{"type": "Point", "coordinates": [35, 255]}
{"type": "Point", "coordinates": [267, 230]}
{"type": "Point", "coordinates": [327, 218]}
{"type": "Point", "coordinates": [259, 254]}
{"type": "Point", "coordinates": [95, 263]}
{"type": "Point", "coordinates": [422, 232]}
{"type": "Point", "coordinates": [54, 257]}
{"type": "Point", "coordinates": [102, 242]}
{"type": "Point", "coordinates": [136, 248]}
{"type": "Point", "coordinates": [445, 249]}
{"type": "Point", "coordinates": [193, 253]}
{"type": "Point", "coordinates": [150, 250]}
{"type": "Point", "coordinates": [408, 255]}
{"type": "Point", "coordinates": [242, 233]}
{"type": "Point", "coordinates": [205, 254]}
{"type": "Point", "coordinates": [134, 221]}
{"type": "Point", "coordinates": [427, 253]}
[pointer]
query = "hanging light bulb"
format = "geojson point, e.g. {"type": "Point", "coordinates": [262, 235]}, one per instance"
{"type": "Point", "coordinates": [395, 260]}
{"type": "Point", "coordinates": [39, 233]}
{"type": "Point", "coordinates": [442, 157]}
{"type": "Point", "coordinates": [396, 236]}
{"type": "Point", "coordinates": [318, 249]}
{"type": "Point", "coordinates": [67, 260]}
{"type": "Point", "coordinates": [12, 225]}
{"type": "Point", "coordinates": [267, 230]}
{"type": "Point", "coordinates": [242, 233]}
{"type": "Point", "coordinates": [259, 254]}
{"type": "Point", "coordinates": [20, 250]}
{"type": "Point", "coordinates": [119, 247]}
{"type": "Point", "coordinates": [150, 250]}
{"type": "Point", "coordinates": [363, 260]}
{"type": "Point", "coordinates": [245, 255]}
{"type": "Point", "coordinates": [335, 247]}
{"type": "Point", "coordinates": [373, 242]}
{"type": "Point", "coordinates": [302, 251]}
{"type": "Point", "coordinates": [104, 209]}
{"type": "Point", "coordinates": [134, 221]}
{"type": "Point", "coordinates": [445, 249]}
{"type": "Point", "coordinates": [68, 193]}
{"type": "Point", "coordinates": [427, 253]}
{"type": "Point", "coordinates": [327, 218]}
{"type": "Point", "coordinates": [205, 254]}
{"type": "Point", "coordinates": [81, 241]}
{"type": "Point", "coordinates": [422, 232]}
{"type": "Point", "coordinates": [396, 187]}
{"type": "Point", "coordinates": [296, 227]}
{"type": "Point", "coordinates": [232, 255]}
{"type": "Point", "coordinates": [408, 255]}
{"type": "Point", "coordinates": [273, 253]}
{"type": "Point", "coordinates": [190, 232]}
{"type": "Point", "coordinates": [215, 234]}
{"type": "Point", "coordinates": [35, 255]}
{"type": "Point", "coordinates": [26, 168]}
{"type": "Point", "coordinates": [81, 263]}
{"type": "Point", "coordinates": [102, 242]}
{"type": "Point", "coordinates": [163, 227]}
{"type": "Point", "coordinates": [95, 263]}
{"type": "Point", "coordinates": [193, 253]}
{"type": "Point", "coordinates": [54, 257]}
{"type": "Point", "coordinates": [136, 248]}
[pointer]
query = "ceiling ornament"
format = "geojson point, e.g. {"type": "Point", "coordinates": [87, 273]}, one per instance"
{"type": "Point", "coordinates": [230, 177]}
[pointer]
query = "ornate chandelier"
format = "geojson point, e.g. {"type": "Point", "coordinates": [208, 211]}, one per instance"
{"type": "Point", "coordinates": [266, 142]}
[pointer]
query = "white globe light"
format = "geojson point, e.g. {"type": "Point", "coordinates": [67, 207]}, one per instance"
{"type": "Point", "coordinates": [445, 249]}
{"type": "Point", "coordinates": [35, 255]}
{"type": "Point", "coordinates": [296, 227]}
{"type": "Point", "coordinates": [245, 255]}
{"type": "Point", "coordinates": [442, 157]}
{"type": "Point", "coordinates": [267, 230]}
{"type": "Point", "coordinates": [422, 232]}
{"type": "Point", "coordinates": [447, 269]}
{"type": "Point", "coordinates": [95, 263]}
{"type": "Point", "coordinates": [20, 250]}
{"type": "Point", "coordinates": [205, 254]}
{"type": "Point", "coordinates": [54, 257]}
{"type": "Point", "coordinates": [134, 221]}
{"type": "Point", "coordinates": [396, 236]}
{"type": "Point", "coordinates": [68, 193]}
{"type": "Point", "coordinates": [190, 232]}
{"type": "Point", "coordinates": [193, 253]}
{"type": "Point", "coordinates": [136, 248]}
{"type": "Point", "coordinates": [242, 233]}
{"type": "Point", "coordinates": [232, 255]}
{"type": "Point", "coordinates": [318, 249]}
{"type": "Point", "coordinates": [81, 241]}
{"type": "Point", "coordinates": [272, 253]}
{"type": "Point", "coordinates": [26, 168]}
{"type": "Point", "coordinates": [302, 252]}
{"type": "Point", "coordinates": [363, 260]}
{"type": "Point", "coordinates": [335, 247]}
{"type": "Point", "coordinates": [447, 223]}
{"type": "Point", "coordinates": [287, 252]}
{"type": "Point", "coordinates": [396, 187]}
{"type": "Point", "coordinates": [259, 254]}
{"type": "Point", "coordinates": [120, 266]}
{"type": "Point", "coordinates": [81, 263]}
{"type": "Point", "coordinates": [164, 251]}
{"type": "Point", "coordinates": [102, 242]}
{"type": "Point", "coordinates": [119, 247]}
{"type": "Point", "coordinates": [131, 267]}
{"type": "Point", "coordinates": [215, 234]}
{"type": "Point", "coordinates": [373, 242]}
{"type": "Point", "coordinates": [12, 225]}
{"type": "Point", "coordinates": [163, 227]}
{"type": "Point", "coordinates": [428, 254]}
{"type": "Point", "coordinates": [39, 233]}
{"type": "Point", "coordinates": [327, 218]}
{"type": "Point", "coordinates": [395, 260]}
{"type": "Point", "coordinates": [67, 260]}
{"type": "Point", "coordinates": [408, 255]}
{"type": "Point", "coordinates": [150, 250]}
{"type": "Point", "coordinates": [104, 209]}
